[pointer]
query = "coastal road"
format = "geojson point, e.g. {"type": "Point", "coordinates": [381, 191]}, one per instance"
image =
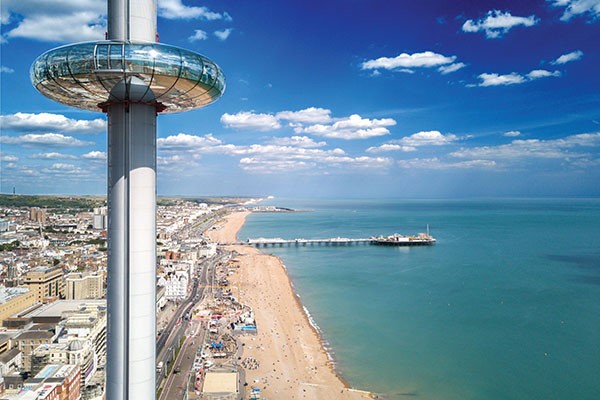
{"type": "Point", "coordinates": [167, 343]}
{"type": "Point", "coordinates": [176, 384]}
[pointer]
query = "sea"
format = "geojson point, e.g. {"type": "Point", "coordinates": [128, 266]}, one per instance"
{"type": "Point", "coordinates": [506, 304]}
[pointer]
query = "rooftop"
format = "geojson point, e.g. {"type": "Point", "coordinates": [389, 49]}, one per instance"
{"type": "Point", "coordinates": [35, 335]}
{"type": "Point", "coordinates": [57, 308]}
{"type": "Point", "coordinates": [9, 355]}
{"type": "Point", "coordinates": [7, 294]}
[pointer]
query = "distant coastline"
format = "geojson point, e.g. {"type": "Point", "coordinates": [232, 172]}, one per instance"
{"type": "Point", "coordinates": [274, 209]}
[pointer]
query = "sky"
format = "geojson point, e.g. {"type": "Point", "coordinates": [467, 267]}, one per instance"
{"type": "Point", "coordinates": [344, 98]}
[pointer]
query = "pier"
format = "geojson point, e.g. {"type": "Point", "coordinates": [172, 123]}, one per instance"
{"type": "Point", "coordinates": [393, 240]}
{"type": "Point", "coordinates": [266, 242]}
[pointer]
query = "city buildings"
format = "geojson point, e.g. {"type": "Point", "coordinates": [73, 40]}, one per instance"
{"type": "Point", "coordinates": [27, 341]}
{"type": "Point", "coordinates": [175, 284]}
{"type": "Point", "coordinates": [54, 382]}
{"type": "Point", "coordinates": [84, 286]}
{"type": "Point", "coordinates": [66, 257]}
{"type": "Point", "coordinates": [46, 282]}
{"type": "Point", "coordinates": [4, 225]}
{"type": "Point", "coordinates": [100, 218]}
{"type": "Point", "coordinates": [15, 300]}
{"type": "Point", "coordinates": [37, 215]}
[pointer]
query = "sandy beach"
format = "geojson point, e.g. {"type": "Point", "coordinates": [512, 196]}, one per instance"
{"type": "Point", "coordinates": [292, 363]}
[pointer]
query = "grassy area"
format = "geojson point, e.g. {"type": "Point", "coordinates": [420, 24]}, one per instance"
{"type": "Point", "coordinates": [78, 203]}
{"type": "Point", "coordinates": [10, 246]}
{"type": "Point", "coordinates": [81, 203]}
{"type": "Point", "coordinates": [171, 365]}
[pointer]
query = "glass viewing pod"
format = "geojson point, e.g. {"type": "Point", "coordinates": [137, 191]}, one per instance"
{"type": "Point", "coordinates": [83, 74]}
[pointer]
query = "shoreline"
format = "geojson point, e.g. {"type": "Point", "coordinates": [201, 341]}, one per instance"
{"type": "Point", "coordinates": [293, 334]}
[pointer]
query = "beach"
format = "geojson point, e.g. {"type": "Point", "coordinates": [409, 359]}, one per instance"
{"type": "Point", "coordinates": [291, 362]}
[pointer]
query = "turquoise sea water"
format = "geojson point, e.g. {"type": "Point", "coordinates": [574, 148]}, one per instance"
{"type": "Point", "coordinates": [505, 306]}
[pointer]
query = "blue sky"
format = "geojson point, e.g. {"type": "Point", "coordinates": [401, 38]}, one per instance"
{"type": "Point", "coordinates": [349, 98]}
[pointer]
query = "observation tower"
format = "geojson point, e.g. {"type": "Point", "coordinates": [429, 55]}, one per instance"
{"type": "Point", "coordinates": [131, 78]}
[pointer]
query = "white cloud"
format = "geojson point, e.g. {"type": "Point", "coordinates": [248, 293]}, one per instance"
{"type": "Point", "coordinates": [297, 153]}
{"type": "Point", "coordinates": [8, 158]}
{"type": "Point", "coordinates": [67, 169]}
{"type": "Point", "coordinates": [497, 23]}
{"type": "Point", "coordinates": [45, 139]}
{"type": "Point", "coordinates": [181, 164]}
{"type": "Point", "coordinates": [276, 151]}
{"type": "Point", "coordinates": [426, 59]}
{"type": "Point", "coordinates": [185, 141]}
{"type": "Point", "coordinates": [427, 138]}
{"type": "Point", "coordinates": [267, 165]}
{"type": "Point", "coordinates": [565, 58]}
{"type": "Point", "coordinates": [4, 15]}
{"type": "Point", "coordinates": [261, 165]}
{"type": "Point", "coordinates": [199, 34]}
{"type": "Point", "coordinates": [223, 34]}
{"type": "Point", "coordinates": [353, 127]}
{"type": "Point", "coordinates": [311, 115]}
{"type": "Point", "coordinates": [94, 155]}
{"type": "Point", "coordinates": [82, 26]}
{"type": "Point", "coordinates": [68, 21]}
{"type": "Point", "coordinates": [250, 120]}
{"type": "Point", "coordinates": [298, 141]}
{"type": "Point", "coordinates": [6, 70]}
{"type": "Point", "coordinates": [451, 68]}
{"type": "Point", "coordinates": [175, 9]}
{"type": "Point", "coordinates": [534, 148]}
{"type": "Point", "coordinates": [578, 7]}
{"type": "Point", "coordinates": [512, 134]}
{"type": "Point", "coordinates": [52, 156]}
{"type": "Point", "coordinates": [437, 164]}
{"type": "Point", "coordinates": [24, 122]}
{"type": "Point", "coordinates": [56, 21]}
{"type": "Point", "coordinates": [312, 120]}
{"type": "Point", "coordinates": [514, 78]}
{"type": "Point", "coordinates": [391, 147]}
{"type": "Point", "coordinates": [499, 80]}
{"type": "Point", "coordinates": [363, 162]}
{"type": "Point", "coordinates": [541, 73]}
{"type": "Point", "coordinates": [48, 7]}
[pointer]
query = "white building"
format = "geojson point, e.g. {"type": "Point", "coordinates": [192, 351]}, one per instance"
{"type": "Point", "coordinates": [207, 250]}
{"type": "Point", "coordinates": [175, 284]}
{"type": "Point", "coordinates": [10, 361]}
{"type": "Point", "coordinates": [100, 218]}
{"type": "Point", "coordinates": [76, 352]}
{"type": "Point", "coordinates": [4, 225]}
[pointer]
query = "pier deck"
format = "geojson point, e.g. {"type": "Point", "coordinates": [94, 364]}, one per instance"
{"type": "Point", "coordinates": [338, 241]}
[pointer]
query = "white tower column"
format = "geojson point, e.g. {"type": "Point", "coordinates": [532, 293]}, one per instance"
{"type": "Point", "coordinates": [131, 347]}
{"type": "Point", "coordinates": [122, 77]}
{"type": "Point", "coordinates": [131, 365]}
{"type": "Point", "coordinates": [132, 20]}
